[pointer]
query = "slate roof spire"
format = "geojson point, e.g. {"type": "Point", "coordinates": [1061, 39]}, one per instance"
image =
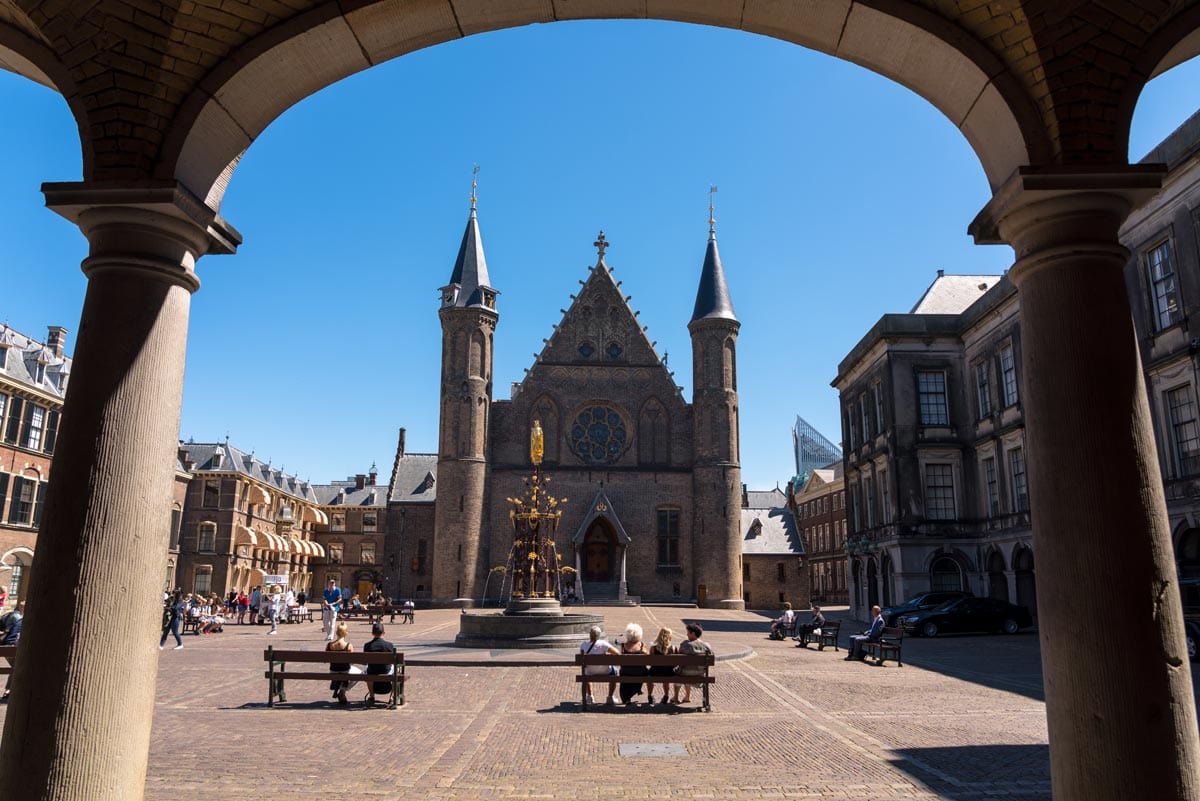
{"type": "Point", "coordinates": [712, 297]}
{"type": "Point", "coordinates": [469, 282]}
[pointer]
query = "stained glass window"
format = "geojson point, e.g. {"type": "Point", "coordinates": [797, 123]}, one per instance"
{"type": "Point", "coordinates": [598, 435]}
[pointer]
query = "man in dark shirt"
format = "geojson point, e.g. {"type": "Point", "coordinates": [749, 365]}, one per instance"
{"type": "Point", "coordinates": [805, 629]}
{"type": "Point", "coordinates": [11, 634]}
{"type": "Point", "coordinates": [378, 645]}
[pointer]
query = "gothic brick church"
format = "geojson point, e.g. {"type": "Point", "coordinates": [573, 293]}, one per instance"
{"type": "Point", "coordinates": [653, 482]}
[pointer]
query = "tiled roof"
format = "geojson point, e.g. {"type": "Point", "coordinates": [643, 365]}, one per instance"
{"type": "Point", "coordinates": [21, 360]}
{"type": "Point", "coordinates": [952, 294]}
{"type": "Point", "coordinates": [223, 457]}
{"type": "Point", "coordinates": [345, 493]}
{"type": "Point", "coordinates": [415, 478]}
{"type": "Point", "coordinates": [770, 499]}
{"type": "Point", "coordinates": [770, 530]}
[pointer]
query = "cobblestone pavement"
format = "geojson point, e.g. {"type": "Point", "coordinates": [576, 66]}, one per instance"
{"type": "Point", "coordinates": [963, 719]}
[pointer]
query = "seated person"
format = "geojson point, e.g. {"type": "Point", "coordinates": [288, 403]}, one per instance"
{"type": "Point", "coordinates": [804, 630]}
{"type": "Point", "coordinates": [873, 634]}
{"type": "Point", "coordinates": [783, 621]}
{"type": "Point", "coordinates": [596, 645]}
{"type": "Point", "coordinates": [378, 645]}
{"type": "Point", "coordinates": [355, 602]}
{"type": "Point", "coordinates": [409, 611]}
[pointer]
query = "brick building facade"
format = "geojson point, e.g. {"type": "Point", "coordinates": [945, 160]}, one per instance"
{"type": "Point", "coordinates": [653, 482]}
{"type": "Point", "coordinates": [820, 509]}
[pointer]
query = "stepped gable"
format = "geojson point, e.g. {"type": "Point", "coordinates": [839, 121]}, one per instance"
{"type": "Point", "coordinates": [600, 329]}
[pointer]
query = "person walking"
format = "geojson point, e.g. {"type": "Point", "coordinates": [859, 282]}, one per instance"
{"type": "Point", "coordinates": [331, 604]}
{"type": "Point", "coordinates": [172, 616]}
{"type": "Point", "coordinates": [274, 603]}
{"type": "Point", "coordinates": [10, 634]}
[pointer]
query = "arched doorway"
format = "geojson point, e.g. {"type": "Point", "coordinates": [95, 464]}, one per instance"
{"type": "Point", "coordinates": [997, 581]}
{"type": "Point", "coordinates": [1026, 586]}
{"type": "Point", "coordinates": [888, 575]}
{"type": "Point", "coordinates": [1187, 553]}
{"type": "Point", "coordinates": [599, 553]}
{"type": "Point", "coordinates": [872, 583]}
{"type": "Point", "coordinates": [945, 574]}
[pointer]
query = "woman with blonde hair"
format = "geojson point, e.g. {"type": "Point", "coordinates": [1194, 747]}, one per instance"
{"type": "Point", "coordinates": [339, 644]}
{"type": "Point", "coordinates": [662, 646]}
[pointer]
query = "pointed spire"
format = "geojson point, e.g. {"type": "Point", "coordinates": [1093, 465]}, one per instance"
{"type": "Point", "coordinates": [469, 282]}
{"type": "Point", "coordinates": [712, 297]}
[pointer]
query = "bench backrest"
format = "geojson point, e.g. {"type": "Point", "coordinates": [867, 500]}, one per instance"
{"type": "Point", "coordinates": [8, 652]}
{"type": "Point", "coordinates": [890, 633]}
{"type": "Point", "coordinates": [831, 627]}
{"type": "Point", "coordinates": [647, 660]}
{"type": "Point", "coordinates": [357, 657]}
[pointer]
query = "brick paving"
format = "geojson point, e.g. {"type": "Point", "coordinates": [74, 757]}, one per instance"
{"type": "Point", "coordinates": [963, 719]}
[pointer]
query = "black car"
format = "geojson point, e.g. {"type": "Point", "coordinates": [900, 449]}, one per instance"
{"type": "Point", "coordinates": [968, 614]}
{"type": "Point", "coordinates": [926, 600]}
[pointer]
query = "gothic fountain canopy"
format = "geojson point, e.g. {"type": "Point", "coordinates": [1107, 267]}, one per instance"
{"type": "Point", "coordinates": [533, 577]}
{"type": "Point", "coordinates": [534, 572]}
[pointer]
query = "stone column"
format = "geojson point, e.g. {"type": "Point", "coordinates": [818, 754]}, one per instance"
{"type": "Point", "coordinates": [1121, 717]}
{"type": "Point", "coordinates": [78, 722]}
{"type": "Point", "coordinates": [622, 586]}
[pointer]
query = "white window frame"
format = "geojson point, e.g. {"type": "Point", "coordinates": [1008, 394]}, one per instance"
{"type": "Point", "coordinates": [1164, 292]}
{"type": "Point", "coordinates": [943, 473]}
{"type": "Point", "coordinates": [1008, 375]}
{"type": "Point", "coordinates": [937, 411]}
{"type": "Point", "coordinates": [1019, 479]}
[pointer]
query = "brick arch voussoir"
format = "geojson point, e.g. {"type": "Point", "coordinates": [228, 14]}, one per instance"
{"type": "Point", "coordinates": [266, 75]}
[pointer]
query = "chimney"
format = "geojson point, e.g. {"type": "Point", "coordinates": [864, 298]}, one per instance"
{"type": "Point", "coordinates": [745, 498]}
{"type": "Point", "coordinates": [372, 474]}
{"type": "Point", "coordinates": [185, 458]}
{"type": "Point", "coordinates": [360, 481]}
{"type": "Point", "coordinates": [941, 273]}
{"type": "Point", "coordinates": [401, 446]}
{"type": "Point", "coordinates": [56, 339]}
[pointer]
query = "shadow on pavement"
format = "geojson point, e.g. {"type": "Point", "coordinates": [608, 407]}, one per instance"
{"type": "Point", "coordinates": [967, 770]}
{"type": "Point", "coordinates": [763, 626]}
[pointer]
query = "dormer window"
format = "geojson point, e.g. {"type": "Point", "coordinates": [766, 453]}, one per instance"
{"type": "Point", "coordinates": [755, 528]}
{"type": "Point", "coordinates": [39, 374]}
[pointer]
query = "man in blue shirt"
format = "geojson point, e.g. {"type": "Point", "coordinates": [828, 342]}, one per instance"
{"type": "Point", "coordinates": [11, 634]}
{"type": "Point", "coordinates": [330, 604]}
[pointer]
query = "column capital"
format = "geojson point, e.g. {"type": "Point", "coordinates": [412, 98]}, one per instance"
{"type": "Point", "coordinates": [1048, 213]}
{"type": "Point", "coordinates": [154, 226]}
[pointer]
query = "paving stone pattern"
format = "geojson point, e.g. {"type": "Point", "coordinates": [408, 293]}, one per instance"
{"type": "Point", "coordinates": [963, 719]}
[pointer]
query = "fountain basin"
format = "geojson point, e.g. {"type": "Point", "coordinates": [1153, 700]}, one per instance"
{"type": "Point", "coordinates": [524, 627]}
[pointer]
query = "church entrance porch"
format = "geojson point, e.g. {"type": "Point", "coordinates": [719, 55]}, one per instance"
{"type": "Point", "coordinates": [599, 547]}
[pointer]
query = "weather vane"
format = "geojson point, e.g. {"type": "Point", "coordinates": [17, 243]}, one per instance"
{"type": "Point", "coordinates": [712, 221]}
{"type": "Point", "coordinates": [474, 183]}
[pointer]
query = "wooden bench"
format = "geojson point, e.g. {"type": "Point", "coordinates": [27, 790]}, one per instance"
{"type": "Point", "coordinates": [295, 614]}
{"type": "Point", "coordinates": [828, 636]}
{"type": "Point", "coordinates": [888, 645]}
{"type": "Point", "coordinates": [695, 661]}
{"type": "Point", "coordinates": [277, 673]}
{"type": "Point", "coordinates": [189, 624]}
{"type": "Point", "coordinates": [8, 653]}
{"type": "Point", "coordinates": [781, 631]}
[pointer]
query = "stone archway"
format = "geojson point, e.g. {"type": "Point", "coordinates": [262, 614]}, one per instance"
{"type": "Point", "coordinates": [1025, 579]}
{"type": "Point", "coordinates": [1051, 138]}
{"type": "Point", "coordinates": [945, 573]}
{"type": "Point", "coordinates": [997, 579]}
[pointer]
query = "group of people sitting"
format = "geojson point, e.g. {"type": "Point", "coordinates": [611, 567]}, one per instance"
{"type": "Point", "coordinates": [658, 674]}
{"type": "Point", "coordinates": [800, 631]}
{"type": "Point", "coordinates": [374, 645]}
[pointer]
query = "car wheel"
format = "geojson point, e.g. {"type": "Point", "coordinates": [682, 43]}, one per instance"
{"type": "Point", "coordinates": [929, 629]}
{"type": "Point", "coordinates": [1191, 646]}
{"type": "Point", "coordinates": [1010, 626]}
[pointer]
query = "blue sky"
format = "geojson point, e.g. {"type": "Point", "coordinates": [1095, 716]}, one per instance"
{"type": "Point", "coordinates": [840, 195]}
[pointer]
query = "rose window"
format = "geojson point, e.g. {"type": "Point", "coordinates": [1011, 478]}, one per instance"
{"type": "Point", "coordinates": [598, 435]}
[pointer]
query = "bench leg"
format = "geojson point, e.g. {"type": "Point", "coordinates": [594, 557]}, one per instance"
{"type": "Point", "coordinates": [707, 705]}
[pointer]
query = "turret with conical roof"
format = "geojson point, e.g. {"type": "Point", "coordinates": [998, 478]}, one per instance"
{"type": "Point", "coordinates": [717, 477]}
{"type": "Point", "coordinates": [469, 318]}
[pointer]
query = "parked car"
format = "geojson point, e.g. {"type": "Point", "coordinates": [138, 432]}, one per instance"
{"type": "Point", "coordinates": [926, 600]}
{"type": "Point", "coordinates": [968, 614]}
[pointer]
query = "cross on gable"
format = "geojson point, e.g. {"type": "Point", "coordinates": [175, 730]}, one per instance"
{"type": "Point", "coordinates": [600, 244]}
